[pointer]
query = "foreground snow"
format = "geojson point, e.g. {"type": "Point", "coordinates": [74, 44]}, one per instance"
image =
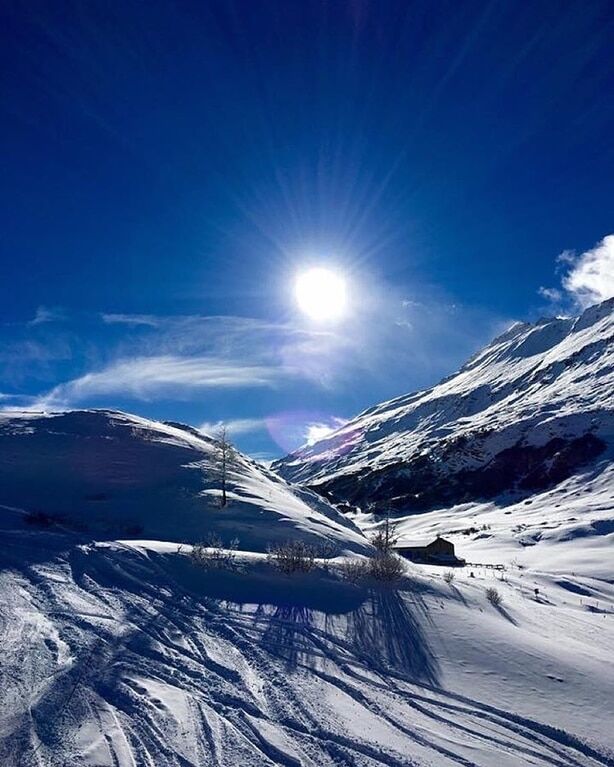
{"type": "Point", "coordinates": [122, 654]}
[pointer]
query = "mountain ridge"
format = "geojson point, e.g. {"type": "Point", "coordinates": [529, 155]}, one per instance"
{"type": "Point", "coordinates": [529, 409]}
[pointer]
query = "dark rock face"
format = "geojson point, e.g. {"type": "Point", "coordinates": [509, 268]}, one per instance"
{"type": "Point", "coordinates": [423, 483]}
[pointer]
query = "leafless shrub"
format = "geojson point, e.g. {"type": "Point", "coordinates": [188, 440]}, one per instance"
{"type": "Point", "coordinates": [494, 597]}
{"type": "Point", "coordinates": [354, 569]}
{"type": "Point", "coordinates": [381, 567]}
{"type": "Point", "coordinates": [214, 554]}
{"type": "Point", "coordinates": [293, 557]}
{"type": "Point", "coordinates": [448, 576]}
{"type": "Point", "coordinates": [325, 550]}
{"type": "Point", "coordinates": [386, 567]}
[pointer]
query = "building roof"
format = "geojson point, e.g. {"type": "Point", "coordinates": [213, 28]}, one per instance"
{"type": "Point", "coordinates": [421, 544]}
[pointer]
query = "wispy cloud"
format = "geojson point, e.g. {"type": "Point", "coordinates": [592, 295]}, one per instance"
{"type": "Point", "coordinates": [149, 320]}
{"type": "Point", "coordinates": [586, 278]}
{"type": "Point", "coordinates": [236, 426]}
{"type": "Point", "coordinates": [551, 294]}
{"type": "Point", "coordinates": [147, 378]}
{"type": "Point", "coordinates": [173, 357]}
{"type": "Point", "coordinates": [48, 314]}
{"type": "Point", "coordinates": [314, 432]}
{"type": "Point", "coordinates": [30, 358]}
{"type": "Point", "coordinates": [146, 358]}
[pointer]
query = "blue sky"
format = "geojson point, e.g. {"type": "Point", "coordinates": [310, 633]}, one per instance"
{"type": "Point", "coordinates": [168, 168]}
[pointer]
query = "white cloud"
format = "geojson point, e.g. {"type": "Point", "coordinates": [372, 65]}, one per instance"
{"type": "Point", "coordinates": [131, 319]}
{"type": "Point", "coordinates": [184, 355]}
{"type": "Point", "coordinates": [590, 278]}
{"type": "Point", "coordinates": [235, 426]}
{"type": "Point", "coordinates": [148, 377]}
{"type": "Point", "coordinates": [551, 294]}
{"type": "Point", "coordinates": [314, 432]}
{"type": "Point", "coordinates": [586, 279]}
{"type": "Point", "coordinates": [566, 257]}
{"type": "Point", "coordinates": [47, 314]}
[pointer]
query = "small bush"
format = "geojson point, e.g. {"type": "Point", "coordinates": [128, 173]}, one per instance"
{"type": "Point", "coordinates": [213, 554]}
{"type": "Point", "coordinates": [381, 567]}
{"type": "Point", "coordinates": [386, 567]}
{"type": "Point", "coordinates": [494, 597]}
{"type": "Point", "coordinates": [354, 569]}
{"type": "Point", "coordinates": [325, 550]}
{"type": "Point", "coordinates": [386, 537]}
{"type": "Point", "coordinates": [293, 557]}
{"type": "Point", "coordinates": [448, 576]}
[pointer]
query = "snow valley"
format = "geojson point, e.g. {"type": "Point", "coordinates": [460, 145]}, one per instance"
{"type": "Point", "coordinates": [122, 648]}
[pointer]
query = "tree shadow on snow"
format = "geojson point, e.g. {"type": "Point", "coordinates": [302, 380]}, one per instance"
{"type": "Point", "coordinates": [384, 632]}
{"type": "Point", "coordinates": [387, 633]}
{"type": "Point", "coordinates": [287, 633]}
{"type": "Point", "coordinates": [504, 613]}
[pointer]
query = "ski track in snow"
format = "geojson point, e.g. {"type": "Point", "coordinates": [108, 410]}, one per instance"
{"type": "Point", "coordinates": [111, 658]}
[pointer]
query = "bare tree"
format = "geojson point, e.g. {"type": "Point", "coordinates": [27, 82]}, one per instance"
{"type": "Point", "coordinates": [224, 456]}
{"type": "Point", "coordinates": [385, 565]}
{"type": "Point", "coordinates": [386, 537]}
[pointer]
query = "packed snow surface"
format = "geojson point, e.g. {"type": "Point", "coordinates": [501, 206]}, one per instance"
{"type": "Point", "coordinates": [119, 654]}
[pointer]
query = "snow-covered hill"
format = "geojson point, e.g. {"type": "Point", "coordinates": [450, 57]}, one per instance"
{"type": "Point", "coordinates": [531, 410]}
{"type": "Point", "coordinates": [106, 474]}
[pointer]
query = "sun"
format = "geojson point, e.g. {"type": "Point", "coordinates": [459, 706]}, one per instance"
{"type": "Point", "coordinates": [321, 294]}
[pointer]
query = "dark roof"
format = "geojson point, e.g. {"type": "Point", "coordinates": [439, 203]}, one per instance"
{"type": "Point", "coordinates": [424, 544]}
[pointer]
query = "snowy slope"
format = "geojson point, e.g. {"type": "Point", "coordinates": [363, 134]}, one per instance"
{"type": "Point", "coordinates": [532, 409]}
{"type": "Point", "coordinates": [124, 655]}
{"type": "Point", "coordinates": [106, 474]}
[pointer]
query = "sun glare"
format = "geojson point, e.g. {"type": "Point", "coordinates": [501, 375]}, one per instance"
{"type": "Point", "coordinates": [321, 294]}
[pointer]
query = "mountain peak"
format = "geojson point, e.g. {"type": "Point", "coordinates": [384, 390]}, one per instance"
{"type": "Point", "coordinates": [539, 400]}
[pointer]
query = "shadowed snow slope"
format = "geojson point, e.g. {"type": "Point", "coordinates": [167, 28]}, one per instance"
{"type": "Point", "coordinates": [108, 474]}
{"type": "Point", "coordinates": [531, 410]}
{"type": "Point", "coordinates": [126, 655]}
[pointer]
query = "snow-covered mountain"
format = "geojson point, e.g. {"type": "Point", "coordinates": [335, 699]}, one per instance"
{"type": "Point", "coordinates": [531, 410]}
{"type": "Point", "coordinates": [105, 474]}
